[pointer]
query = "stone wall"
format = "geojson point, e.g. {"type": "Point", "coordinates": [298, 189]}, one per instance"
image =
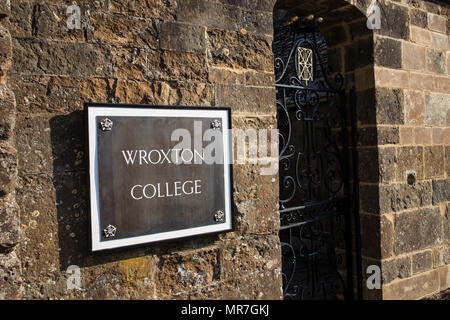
{"type": "Point", "coordinates": [403, 103]}
{"type": "Point", "coordinates": [168, 52]}
{"type": "Point", "coordinates": [10, 268]}
{"type": "Point", "coordinates": [216, 52]}
{"type": "Point", "coordinates": [412, 63]}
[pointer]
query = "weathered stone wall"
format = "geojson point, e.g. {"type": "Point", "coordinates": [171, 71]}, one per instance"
{"type": "Point", "coordinates": [10, 268]}
{"type": "Point", "coordinates": [403, 103]}
{"type": "Point", "coordinates": [156, 52]}
{"type": "Point", "coordinates": [216, 52]}
{"type": "Point", "coordinates": [412, 64]}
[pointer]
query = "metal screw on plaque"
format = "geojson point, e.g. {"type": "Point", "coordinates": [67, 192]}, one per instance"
{"type": "Point", "coordinates": [216, 124]}
{"type": "Point", "coordinates": [110, 231]}
{"type": "Point", "coordinates": [219, 216]}
{"type": "Point", "coordinates": [106, 124]}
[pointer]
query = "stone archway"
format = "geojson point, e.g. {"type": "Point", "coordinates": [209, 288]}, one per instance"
{"type": "Point", "coordinates": [349, 52]}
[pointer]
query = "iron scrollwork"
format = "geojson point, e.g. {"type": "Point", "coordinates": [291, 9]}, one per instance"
{"type": "Point", "coordinates": [313, 169]}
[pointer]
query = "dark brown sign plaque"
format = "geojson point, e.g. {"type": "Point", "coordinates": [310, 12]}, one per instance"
{"type": "Point", "coordinates": [157, 173]}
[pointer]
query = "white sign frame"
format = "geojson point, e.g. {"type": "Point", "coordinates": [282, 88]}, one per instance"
{"type": "Point", "coordinates": [94, 110]}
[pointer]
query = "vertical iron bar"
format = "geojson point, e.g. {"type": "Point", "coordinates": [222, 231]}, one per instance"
{"type": "Point", "coordinates": [355, 161]}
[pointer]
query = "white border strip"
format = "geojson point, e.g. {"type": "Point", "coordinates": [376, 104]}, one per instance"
{"type": "Point", "coordinates": [98, 111]}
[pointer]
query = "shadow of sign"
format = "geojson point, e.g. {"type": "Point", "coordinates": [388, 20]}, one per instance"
{"type": "Point", "coordinates": [70, 182]}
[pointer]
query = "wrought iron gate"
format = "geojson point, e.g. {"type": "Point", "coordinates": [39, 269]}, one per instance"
{"type": "Point", "coordinates": [315, 201]}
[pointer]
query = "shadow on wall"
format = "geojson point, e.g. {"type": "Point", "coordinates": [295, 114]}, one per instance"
{"type": "Point", "coordinates": [70, 183]}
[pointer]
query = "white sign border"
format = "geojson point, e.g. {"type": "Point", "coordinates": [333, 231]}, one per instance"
{"type": "Point", "coordinates": [98, 110]}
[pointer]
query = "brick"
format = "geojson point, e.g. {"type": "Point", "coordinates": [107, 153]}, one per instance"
{"type": "Point", "coordinates": [188, 93]}
{"type": "Point", "coordinates": [417, 230]}
{"type": "Point", "coordinates": [421, 81]}
{"type": "Point", "coordinates": [250, 99]}
{"type": "Point", "coordinates": [436, 61]}
{"type": "Point", "coordinates": [406, 135]}
{"type": "Point", "coordinates": [386, 160]}
{"type": "Point", "coordinates": [21, 20]}
{"type": "Point", "coordinates": [420, 36]}
{"type": "Point", "coordinates": [441, 256]}
{"type": "Point", "coordinates": [364, 78]}
{"type": "Point", "coordinates": [389, 106]}
{"type": "Point", "coordinates": [439, 41]}
{"type": "Point", "coordinates": [388, 135]}
{"type": "Point", "coordinates": [446, 222]}
{"type": "Point", "coordinates": [257, 216]}
{"type": "Point", "coordinates": [109, 29]}
{"type": "Point", "coordinates": [422, 136]}
{"type": "Point", "coordinates": [447, 160]}
{"type": "Point", "coordinates": [5, 53]}
{"type": "Point", "coordinates": [370, 199]}
{"type": "Point", "coordinates": [259, 79]}
{"type": "Point", "coordinates": [370, 236]}
{"type": "Point", "coordinates": [132, 63]}
{"type": "Point", "coordinates": [437, 23]}
{"type": "Point", "coordinates": [155, 9]}
{"type": "Point", "coordinates": [11, 280]}
{"type": "Point", "coordinates": [180, 37]}
{"type": "Point", "coordinates": [358, 29]}
{"type": "Point", "coordinates": [441, 135]}
{"type": "Point", "coordinates": [8, 168]}
{"type": "Point", "coordinates": [422, 261]}
{"type": "Point", "coordinates": [394, 21]}
{"type": "Point", "coordinates": [387, 236]}
{"type": "Point", "coordinates": [225, 76]}
{"type": "Point", "coordinates": [431, 7]}
{"type": "Point", "coordinates": [436, 109]}
{"type": "Point", "coordinates": [61, 58]}
{"type": "Point", "coordinates": [392, 78]}
{"type": "Point", "coordinates": [401, 196]}
{"type": "Point", "coordinates": [442, 84]}
{"type": "Point", "coordinates": [434, 161]}
{"type": "Point", "coordinates": [414, 107]}
{"type": "Point", "coordinates": [335, 59]}
{"type": "Point", "coordinates": [8, 112]}
{"type": "Point", "coordinates": [336, 35]}
{"type": "Point", "coordinates": [398, 268]}
{"type": "Point", "coordinates": [179, 66]}
{"type": "Point", "coordinates": [388, 53]}
{"type": "Point", "coordinates": [9, 223]}
{"type": "Point", "coordinates": [231, 49]}
{"type": "Point", "coordinates": [412, 288]}
{"type": "Point", "coordinates": [258, 22]}
{"type": "Point", "coordinates": [50, 22]}
{"type": "Point", "coordinates": [418, 18]}
{"type": "Point", "coordinates": [210, 14]}
{"type": "Point", "coordinates": [444, 277]}
{"type": "Point", "coordinates": [441, 191]}
{"type": "Point", "coordinates": [366, 110]}
{"type": "Point", "coordinates": [409, 159]}
{"type": "Point", "coordinates": [368, 165]}
{"type": "Point", "coordinates": [413, 56]}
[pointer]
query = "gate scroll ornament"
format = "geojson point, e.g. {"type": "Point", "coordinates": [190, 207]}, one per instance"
{"type": "Point", "coordinates": [314, 205]}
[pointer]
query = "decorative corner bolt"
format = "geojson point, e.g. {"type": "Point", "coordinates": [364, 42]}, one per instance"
{"type": "Point", "coordinates": [216, 124]}
{"type": "Point", "coordinates": [110, 231]}
{"type": "Point", "coordinates": [106, 124]}
{"type": "Point", "coordinates": [219, 216]}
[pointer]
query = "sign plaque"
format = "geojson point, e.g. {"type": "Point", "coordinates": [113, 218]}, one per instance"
{"type": "Point", "coordinates": [157, 173]}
